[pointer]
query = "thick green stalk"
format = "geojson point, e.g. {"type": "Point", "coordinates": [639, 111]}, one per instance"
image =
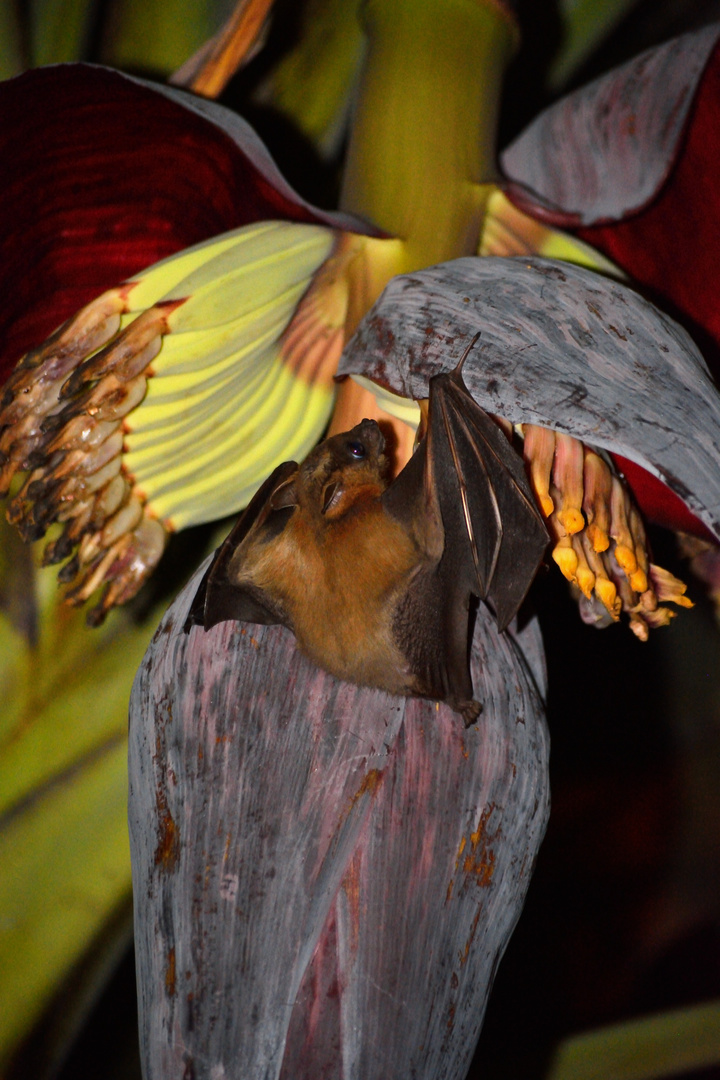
{"type": "Point", "coordinates": [423, 136]}
{"type": "Point", "coordinates": [313, 83]}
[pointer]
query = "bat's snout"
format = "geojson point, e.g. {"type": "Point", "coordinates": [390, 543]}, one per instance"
{"type": "Point", "coordinates": [368, 432]}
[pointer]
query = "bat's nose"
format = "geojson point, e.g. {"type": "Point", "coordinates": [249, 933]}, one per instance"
{"type": "Point", "coordinates": [371, 435]}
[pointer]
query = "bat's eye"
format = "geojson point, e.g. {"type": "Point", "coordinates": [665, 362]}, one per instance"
{"type": "Point", "coordinates": [357, 450]}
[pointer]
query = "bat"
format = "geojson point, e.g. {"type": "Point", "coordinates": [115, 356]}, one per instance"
{"type": "Point", "coordinates": [379, 581]}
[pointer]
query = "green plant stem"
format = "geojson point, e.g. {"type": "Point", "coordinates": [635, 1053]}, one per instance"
{"type": "Point", "coordinates": [313, 83]}
{"type": "Point", "coordinates": [423, 135]}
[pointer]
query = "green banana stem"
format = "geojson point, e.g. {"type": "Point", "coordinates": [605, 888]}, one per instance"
{"type": "Point", "coordinates": [421, 159]}
{"type": "Point", "coordinates": [313, 83]}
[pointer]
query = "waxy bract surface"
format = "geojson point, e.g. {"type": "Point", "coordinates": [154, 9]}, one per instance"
{"type": "Point", "coordinates": [325, 876]}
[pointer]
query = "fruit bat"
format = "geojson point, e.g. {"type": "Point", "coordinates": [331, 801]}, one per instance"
{"type": "Point", "coordinates": [377, 579]}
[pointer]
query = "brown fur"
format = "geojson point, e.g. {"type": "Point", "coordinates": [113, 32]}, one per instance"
{"type": "Point", "coordinates": [343, 567]}
{"type": "Point", "coordinates": [376, 579]}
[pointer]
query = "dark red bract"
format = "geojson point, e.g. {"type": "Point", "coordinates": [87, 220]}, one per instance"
{"type": "Point", "coordinates": [101, 177]}
{"type": "Point", "coordinates": [672, 247]}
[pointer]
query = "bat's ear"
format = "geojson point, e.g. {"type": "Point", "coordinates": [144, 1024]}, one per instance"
{"type": "Point", "coordinates": [285, 495]}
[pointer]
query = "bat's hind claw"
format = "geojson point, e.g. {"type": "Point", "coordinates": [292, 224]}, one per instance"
{"type": "Point", "coordinates": [469, 710]}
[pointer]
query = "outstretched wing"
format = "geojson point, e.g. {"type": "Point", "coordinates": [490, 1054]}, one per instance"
{"type": "Point", "coordinates": [219, 598]}
{"type": "Point", "coordinates": [494, 534]}
{"type": "Point", "coordinates": [466, 501]}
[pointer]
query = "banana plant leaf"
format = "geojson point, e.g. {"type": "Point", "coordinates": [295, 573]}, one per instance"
{"type": "Point", "coordinates": [63, 782]}
{"type": "Point", "coordinates": [683, 1042]}
{"type": "Point", "coordinates": [567, 349]}
{"type": "Point", "coordinates": [325, 877]}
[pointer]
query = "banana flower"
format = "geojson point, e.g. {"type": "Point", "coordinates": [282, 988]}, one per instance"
{"type": "Point", "coordinates": [345, 915]}
{"type": "Point", "coordinates": [172, 393]}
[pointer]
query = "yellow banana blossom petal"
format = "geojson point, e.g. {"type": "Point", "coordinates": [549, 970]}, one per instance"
{"type": "Point", "coordinates": [509, 231]}
{"type": "Point", "coordinates": [401, 408]}
{"type": "Point", "coordinates": [165, 402]}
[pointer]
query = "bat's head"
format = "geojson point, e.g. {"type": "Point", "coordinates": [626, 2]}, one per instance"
{"type": "Point", "coordinates": [344, 469]}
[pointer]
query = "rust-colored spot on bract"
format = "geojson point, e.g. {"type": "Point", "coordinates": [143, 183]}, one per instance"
{"type": "Point", "coordinates": [482, 867]}
{"type": "Point", "coordinates": [461, 848]}
{"type": "Point", "coordinates": [471, 937]}
{"type": "Point", "coordinates": [369, 786]}
{"type": "Point", "coordinates": [170, 974]}
{"type": "Point", "coordinates": [371, 782]}
{"type": "Point", "coordinates": [168, 845]}
{"type": "Point", "coordinates": [480, 859]}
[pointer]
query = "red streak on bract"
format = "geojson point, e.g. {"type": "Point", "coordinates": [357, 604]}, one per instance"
{"type": "Point", "coordinates": [351, 888]}
{"type": "Point", "coordinates": [168, 844]}
{"type": "Point", "coordinates": [170, 974]}
{"type": "Point", "coordinates": [167, 850]}
{"type": "Point", "coordinates": [471, 937]}
{"type": "Point", "coordinates": [671, 248]}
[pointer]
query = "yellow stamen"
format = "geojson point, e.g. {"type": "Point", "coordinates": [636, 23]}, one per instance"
{"type": "Point", "coordinates": [639, 581]}
{"type": "Point", "coordinates": [599, 539]}
{"type": "Point", "coordinates": [606, 592]}
{"type": "Point", "coordinates": [626, 559]}
{"type": "Point", "coordinates": [539, 451]}
{"type": "Point", "coordinates": [566, 557]}
{"type": "Point", "coordinates": [604, 589]}
{"type": "Point", "coordinates": [568, 478]}
{"type": "Point", "coordinates": [597, 482]}
{"type": "Point", "coordinates": [619, 528]}
{"type": "Point", "coordinates": [584, 575]}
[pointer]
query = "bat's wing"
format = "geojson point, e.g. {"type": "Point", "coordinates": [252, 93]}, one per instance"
{"type": "Point", "coordinates": [495, 537]}
{"type": "Point", "coordinates": [465, 499]}
{"type": "Point", "coordinates": [219, 598]}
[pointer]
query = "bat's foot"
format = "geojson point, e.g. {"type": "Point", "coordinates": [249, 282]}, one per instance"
{"type": "Point", "coordinates": [469, 710]}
